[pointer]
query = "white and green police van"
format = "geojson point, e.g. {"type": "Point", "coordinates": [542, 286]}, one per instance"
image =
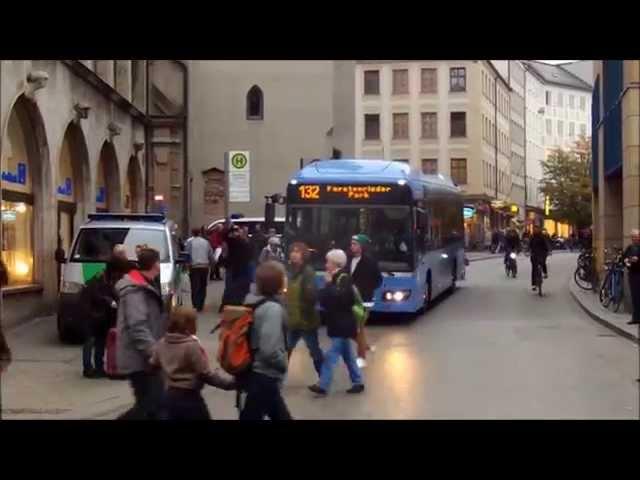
{"type": "Point", "coordinates": [92, 248]}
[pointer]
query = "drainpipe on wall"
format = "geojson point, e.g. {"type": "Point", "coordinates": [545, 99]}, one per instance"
{"type": "Point", "coordinates": [495, 141]}
{"type": "Point", "coordinates": [525, 147]}
{"type": "Point", "coordinates": [185, 151]}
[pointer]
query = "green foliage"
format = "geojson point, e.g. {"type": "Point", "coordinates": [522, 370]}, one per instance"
{"type": "Point", "coordinates": [567, 182]}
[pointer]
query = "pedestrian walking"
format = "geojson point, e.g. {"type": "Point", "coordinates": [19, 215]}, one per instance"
{"type": "Point", "coordinates": [100, 302]}
{"type": "Point", "coordinates": [303, 319]}
{"type": "Point", "coordinates": [366, 276]}
{"type": "Point", "coordinates": [259, 241]}
{"type": "Point", "coordinates": [184, 362]}
{"type": "Point", "coordinates": [263, 383]}
{"type": "Point", "coordinates": [337, 298]}
{"type": "Point", "coordinates": [238, 265]}
{"type": "Point", "coordinates": [631, 258]}
{"type": "Point", "coordinates": [272, 252]}
{"type": "Point", "coordinates": [142, 321]}
{"type": "Point", "coordinates": [216, 241]}
{"type": "Point", "coordinates": [201, 259]}
{"type": "Point", "coordinates": [5, 351]}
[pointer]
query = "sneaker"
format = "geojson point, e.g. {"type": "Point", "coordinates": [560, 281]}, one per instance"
{"type": "Point", "coordinates": [100, 374]}
{"type": "Point", "coordinates": [361, 362]}
{"type": "Point", "coordinates": [356, 389]}
{"type": "Point", "coordinates": [317, 390]}
{"type": "Point", "coordinates": [546, 275]}
{"type": "Point", "coordinates": [534, 288]}
{"type": "Point", "coordinates": [90, 373]}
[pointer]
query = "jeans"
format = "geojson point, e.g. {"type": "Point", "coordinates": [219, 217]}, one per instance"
{"type": "Point", "coordinates": [199, 278]}
{"type": "Point", "coordinates": [149, 392]}
{"type": "Point", "coordinates": [340, 347]}
{"type": "Point", "coordinates": [264, 398]}
{"type": "Point", "coordinates": [183, 404]}
{"type": "Point", "coordinates": [95, 345]}
{"type": "Point", "coordinates": [534, 261]}
{"type": "Point", "coordinates": [310, 337]}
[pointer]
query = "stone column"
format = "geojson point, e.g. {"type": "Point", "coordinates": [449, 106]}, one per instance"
{"type": "Point", "coordinates": [630, 156]}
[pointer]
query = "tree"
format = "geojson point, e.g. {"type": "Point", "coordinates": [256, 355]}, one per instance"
{"type": "Point", "coordinates": [567, 182]}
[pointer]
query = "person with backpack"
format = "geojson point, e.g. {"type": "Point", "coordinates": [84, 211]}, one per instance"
{"type": "Point", "coordinates": [99, 300]}
{"type": "Point", "coordinates": [268, 348]}
{"type": "Point", "coordinates": [338, 299]}
{"type": "Point", "coordinates": [272, 252]}
{"type": "Point", "coordinates": [142, 321]}
{"type": "Point", "coordinates": [184, 362]}
{"type": "Point", "coordinates": [303, 319]}
{"type": "Point", "coordinates": [366, 276]}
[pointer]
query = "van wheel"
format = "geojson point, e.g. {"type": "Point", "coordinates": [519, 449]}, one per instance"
{"type": "Point", "coordinates": [428, 297]}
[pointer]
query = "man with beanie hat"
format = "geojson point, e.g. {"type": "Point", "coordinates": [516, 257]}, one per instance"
{"type": "Point", "coordinates": [367, 278]}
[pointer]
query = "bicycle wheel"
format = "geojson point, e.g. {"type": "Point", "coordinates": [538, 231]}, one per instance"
{"type": "Point", "coordinates": [583, 278]}
{"type": "Point", "coordinates": [605, 291]}
{"type": "Point", "coordinates": [618, 295]}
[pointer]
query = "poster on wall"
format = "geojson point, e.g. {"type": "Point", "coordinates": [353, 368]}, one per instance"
{"type": "Point", "coordinates": [238, 168]}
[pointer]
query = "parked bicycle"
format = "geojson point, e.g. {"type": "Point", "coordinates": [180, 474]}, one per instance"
{"type": "Point", "coordinates": [584, 275]}
{"type": "Point", "coordinates": [612, 288]}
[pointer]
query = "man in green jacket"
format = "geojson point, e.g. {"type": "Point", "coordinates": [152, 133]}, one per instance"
{"type": "Point", "coordinates": [303, 318]}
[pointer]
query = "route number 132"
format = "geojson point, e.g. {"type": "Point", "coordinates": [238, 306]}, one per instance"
{"type": "Point", "coordinates": [309, 192]}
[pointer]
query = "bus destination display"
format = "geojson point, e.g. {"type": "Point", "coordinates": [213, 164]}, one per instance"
{"type": "Point", "coordinates": [336, 193]}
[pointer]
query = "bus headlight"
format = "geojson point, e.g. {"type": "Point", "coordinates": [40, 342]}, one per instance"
{"type": "Point", "coordinates": [396, 296]}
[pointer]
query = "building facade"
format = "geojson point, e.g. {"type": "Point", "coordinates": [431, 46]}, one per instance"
{"type": "Point", "coordinates": [72, 138]}
{"type": "Point", "coordinates": [444, 117]}
{"type": "Point", "coordinates": [518, 137]}
{"type": "Point", "coordinates": [278, 111]}
{"type": "Point", "coordinates": [615, 154]}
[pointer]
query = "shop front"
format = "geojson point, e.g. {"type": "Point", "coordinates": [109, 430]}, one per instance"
{"type": "Point", "coordinates": [477, 224]}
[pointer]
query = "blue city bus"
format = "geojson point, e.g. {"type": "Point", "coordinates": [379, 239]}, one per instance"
{"type": "Point", "coordinates": [414, 221]}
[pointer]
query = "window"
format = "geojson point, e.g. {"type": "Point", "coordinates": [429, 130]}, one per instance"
{"type": "Point", "coordinates": [429, 166]}
{"type": "Point", "coordinates": [458, 124]}
{"type": "Point", "coordinates": [547, 98]}
{"type": "Point", "coordinates": [549, 127]}
{"type": "Point", "coordinates": [560, 128]}
{"type": "Point", "coordinates": [17, 241]}
{"type": "Point", "coordinates": [572, 129]}
{"type": "Point", "coordinates": [372, 126]}
{"type": "Point", "coordinates": [403, 160]}
{"type": "Point", "coordinates": [583, 129]}
{"type": "Point", "coordinates": [429, 125]}
{"type": "Point", "coordinates": [458, 79]}
{"type": "Point", "coordinates": [255, 104]}
{"type": "Point", "coordinates": [459, 170]}
{"type": "Point", "coordinates": [429, 80]}
{"type": "Point", "coordinates": [372, 82]}
{"type": "Point", "coordinates": [400, 82]}
{"type": "Point", "coordinates": [400, 125]}
{"type": "Point", "coordinates": [96, 244]}
{"type": "Point", "coordinates": [583, 103]}
{"type": "Point", "coordinates": [572, 101]}
{"type": "Point", "coordinates": [559, 100]}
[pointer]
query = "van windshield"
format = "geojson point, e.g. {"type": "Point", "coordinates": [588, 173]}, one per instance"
{"type": "Point", "coordinates": [96, 244]}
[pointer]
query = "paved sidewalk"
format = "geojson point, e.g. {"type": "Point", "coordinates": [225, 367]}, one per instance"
{"type": "Point", "coordinates": [590, 303]}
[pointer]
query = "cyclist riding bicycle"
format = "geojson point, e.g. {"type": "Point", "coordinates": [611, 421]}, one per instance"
{"type": "Point", "coordinates": [539, 248]}
{"type": "Point", "coordinates": [511, 243]}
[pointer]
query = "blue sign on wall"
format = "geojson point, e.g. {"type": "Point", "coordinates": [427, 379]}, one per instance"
{"type": "Point", "coordinates": [20, 177]}
{"type": "Point", "coordinates": [66, 189]}
{"type": "Point", "coordinates": [101, 197]}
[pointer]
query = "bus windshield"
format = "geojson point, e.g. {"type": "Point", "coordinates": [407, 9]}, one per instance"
{"type": "Point", "coordinates": [323, 227]}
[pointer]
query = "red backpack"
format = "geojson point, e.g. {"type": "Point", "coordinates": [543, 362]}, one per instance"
{"type": "Point", "coordinates": [234, 349]}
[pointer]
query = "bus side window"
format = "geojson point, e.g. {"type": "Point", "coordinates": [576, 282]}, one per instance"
{"type": "Point", "coordinates": [424, 233]}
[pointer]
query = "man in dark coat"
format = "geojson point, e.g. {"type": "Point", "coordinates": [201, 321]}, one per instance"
{"type": "Point", "coordinates": [367, 278]}
{"type": "Point", "coordinates": [631, 258]}
{"type": "Point", "coordinates": [539, 248]}
{"type": "Point", "coordinates": [5, 351]}
{"type": "Point", "coordinates": [238, 264]}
